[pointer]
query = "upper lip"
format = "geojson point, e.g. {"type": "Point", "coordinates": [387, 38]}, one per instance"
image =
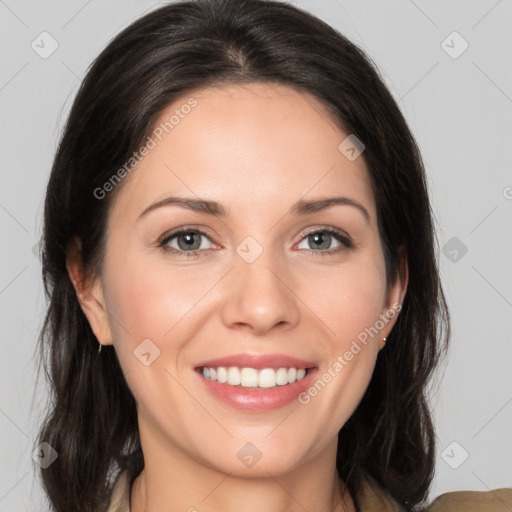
{"type": "Point", "coordinates": [257, 361]}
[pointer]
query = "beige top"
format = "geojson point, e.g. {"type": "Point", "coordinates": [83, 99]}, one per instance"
{"type": "Point", "coordinates": [373, 498]}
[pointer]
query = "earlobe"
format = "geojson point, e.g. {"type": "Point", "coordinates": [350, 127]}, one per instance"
{"type": "Point", "coordinates": [89, 294]}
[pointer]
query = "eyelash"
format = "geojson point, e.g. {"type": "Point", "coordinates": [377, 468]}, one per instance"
{"type": "Point", "coordinates": [338, 235]}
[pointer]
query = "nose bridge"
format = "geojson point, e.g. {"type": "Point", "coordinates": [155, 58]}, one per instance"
{"type": "Point", "coordinates": [258, 295]}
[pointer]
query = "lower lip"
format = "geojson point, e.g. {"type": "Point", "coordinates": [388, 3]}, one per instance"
{"type": "Point", "coordinates": [258, 399]}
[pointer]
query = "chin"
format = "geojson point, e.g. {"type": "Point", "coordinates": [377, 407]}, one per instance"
{"type": "Point", "coordinates": [246, 459]}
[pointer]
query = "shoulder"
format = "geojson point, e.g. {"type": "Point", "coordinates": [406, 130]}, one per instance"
{"type": "Point", "coordinates": [372, 496]}
{"type": "Point", "coordinates": [496, 500]}
{"type": "Point", "coordinates": [120, 499]}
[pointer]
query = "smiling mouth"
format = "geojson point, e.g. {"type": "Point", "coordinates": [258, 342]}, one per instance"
{"type": "Point", "coordinates": [264, 378]}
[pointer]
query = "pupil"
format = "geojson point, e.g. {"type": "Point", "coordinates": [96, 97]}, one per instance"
{"type": "Point", "coordinates": [319, 238]}
{"type": "Point", "coordinates": [189, 241]}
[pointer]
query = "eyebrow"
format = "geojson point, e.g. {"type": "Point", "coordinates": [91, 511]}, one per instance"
{"type": "Point", "coordinates": [301, 207]}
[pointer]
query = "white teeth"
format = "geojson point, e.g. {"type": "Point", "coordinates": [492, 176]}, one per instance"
{"type": "Point", "coordinates": [267, 378]}
{"type": "Point", "coordinates": [222, 375]}
{"type": "Point", "coordinates": [282, 376]}
{"type": "Point", "coordinates": [252, 378]}
{"type": "Point", "coordinates": [249, 378]}
{"type": "Point", "coordinates": [233, 376]}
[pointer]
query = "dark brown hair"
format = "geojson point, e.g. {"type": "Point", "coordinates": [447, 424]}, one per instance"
{"type": "Point", "coordinates": [91, 420]}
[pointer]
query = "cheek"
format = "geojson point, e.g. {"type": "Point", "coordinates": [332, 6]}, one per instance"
{"type": "Point", "coordinates": [138, 306]}
{"type": "Point", "coordinates": [350, 299]}
{"type": "Point", "coordinates": [351, 349]}
{"type": "Point", "coordinates": [149, 299]}
{"type": "Point", "coordinates": [148, 307]}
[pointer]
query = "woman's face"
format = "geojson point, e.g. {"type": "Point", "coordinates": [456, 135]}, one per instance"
{"type": "Point", "coordinates": [275, 284]}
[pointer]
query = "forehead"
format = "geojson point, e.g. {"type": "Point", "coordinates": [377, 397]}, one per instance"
{"type": "Point", "coordinates": [249, 146]}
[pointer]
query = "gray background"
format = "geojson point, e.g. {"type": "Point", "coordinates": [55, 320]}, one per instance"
{"type": "Point", "coordinates": [459, 110]}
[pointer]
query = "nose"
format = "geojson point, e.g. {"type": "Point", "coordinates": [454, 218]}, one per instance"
{"type": "Point", "coordinates": [260, 297]}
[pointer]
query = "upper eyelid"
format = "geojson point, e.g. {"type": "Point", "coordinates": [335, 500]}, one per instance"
{"type": "Point", "coordinates": [186, 229]}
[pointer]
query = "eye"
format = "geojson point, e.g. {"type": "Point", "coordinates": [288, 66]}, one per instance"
{"type": "Point", "coordinates": [189, 242]}
{"type": "Point", "coordinates": [186, 242]}
{"type": "Point", "coordinates": [323, 238]}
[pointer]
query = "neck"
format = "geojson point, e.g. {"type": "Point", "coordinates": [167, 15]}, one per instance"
{"type": "Point", "coordinates": [173, 481]}
{"type": "Point", "coordinates": [232, 494]}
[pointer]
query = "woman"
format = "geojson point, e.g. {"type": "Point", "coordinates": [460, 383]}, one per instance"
{"type": "Point", "coordinates": [204, 353]}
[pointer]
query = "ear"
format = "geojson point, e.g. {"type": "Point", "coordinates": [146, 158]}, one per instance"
{"type": "Point", "coordinates": [396, 295]}
{"type": "Point", "coordinates": [89, 294]}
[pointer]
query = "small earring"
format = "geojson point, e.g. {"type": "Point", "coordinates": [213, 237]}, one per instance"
{"type": "Point", "coordinates": [384, 340]}
{"type": "Point", "coordinates": [99, 348]}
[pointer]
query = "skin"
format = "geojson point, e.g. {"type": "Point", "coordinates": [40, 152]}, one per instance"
{"type": "Point", "coordinates": [257, 149]}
